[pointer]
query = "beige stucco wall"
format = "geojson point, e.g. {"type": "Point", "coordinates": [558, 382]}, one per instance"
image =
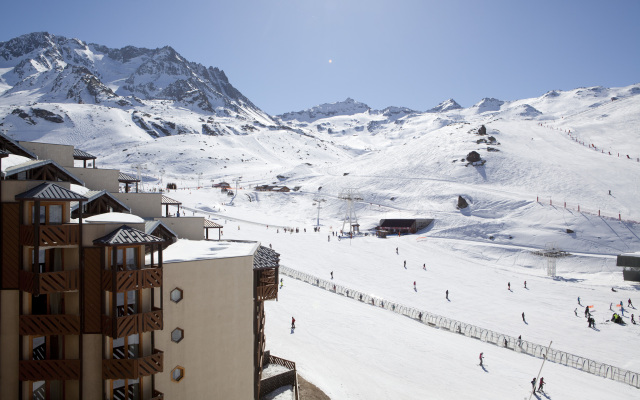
{"type": "Point", "coordinates": [145, 205]}
{"type": "Point", "coordinates": [9, 356]}
{"type": "Point", "coordinates": [216, 314]}
{"type": "Point", "coordinates": [12, 188]}
{"type": "Point", "coordinates": [60, 153]}
{"type": "Point", "coordinates": [185, 227]}
{"type": "Point", "coordinates": [97, 178]}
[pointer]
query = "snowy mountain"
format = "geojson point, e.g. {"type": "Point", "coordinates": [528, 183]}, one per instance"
{"type": "Point", "coordinates": [340, 108]}
{"type": "Point", "coordinates": [447, 105]}
{"type": "Point", "coordinates": [51, 68]}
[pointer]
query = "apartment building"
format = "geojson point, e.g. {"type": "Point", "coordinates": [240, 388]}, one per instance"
{"type": "Point", "coordinates": [104, 297]}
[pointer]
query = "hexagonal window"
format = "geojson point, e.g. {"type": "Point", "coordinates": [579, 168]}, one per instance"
{"type": "Point", "coordinates": [177, 374]}
{"type": "Point", "coordinates": [176, 295]}
{"type": "Point", "coordinates": [177, 335]}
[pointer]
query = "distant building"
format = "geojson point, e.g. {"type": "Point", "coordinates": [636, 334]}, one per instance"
{"type": "Point", "coordinates": [401, 225]}
{"type": "Point", "coordinates": [631, 264]}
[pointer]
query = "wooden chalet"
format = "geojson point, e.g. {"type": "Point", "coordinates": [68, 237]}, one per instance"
{"type": "Point", "coordinates": [98, 202]}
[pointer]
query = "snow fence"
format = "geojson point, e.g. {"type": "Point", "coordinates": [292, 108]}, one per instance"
{"type": "Point", "coordinates": [473, 331]}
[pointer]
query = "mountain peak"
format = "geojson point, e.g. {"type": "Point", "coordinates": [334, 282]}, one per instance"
{"type": "Point", "coordinates": [447, 105]}
{"type": "Point", "coordinates": [347, 107]}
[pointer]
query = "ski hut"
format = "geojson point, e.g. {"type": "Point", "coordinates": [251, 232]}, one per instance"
{"type": "Point", "coordinates": [401, 225]}
{"type": "Point", "coordinates": [631, 266]}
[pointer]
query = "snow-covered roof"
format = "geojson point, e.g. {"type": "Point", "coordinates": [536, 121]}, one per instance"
{"type": "Point", "coordinates": [192, 250]}
{"type": "Point", "coordinates": [114, 218]}
{"type": "Point", "coordinates": [92, 195]}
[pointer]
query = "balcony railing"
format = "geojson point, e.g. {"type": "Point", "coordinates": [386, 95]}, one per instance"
{"type": "Point", "coordinates": [49, 325]}
{"type": "Point", "coordinates": [133, 368]}
{"type": "Point", "coordinates": [267, 285]}
{"type": "Point", "coordinates": [49, 282]}
{"type": "Point", "coordinates": [50, 235]}
{"type": "Point", "coordinates": [118, 327]}
{"type": "Point", "coordinates": [132, 279]}
{"type": "Point", "coordinates": [43, 370]}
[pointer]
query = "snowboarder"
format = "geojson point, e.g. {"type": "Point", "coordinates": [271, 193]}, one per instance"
{"type": "Point", "coordinates": [533, 383]}
{"type": "Point", "coordinates": [508, 285]}
{"type": "Point", "coordinates": [293, 323]}
{"type": "Point", "coordinates": [541, 384]}
{"type": "Point", "coordinates": [523, 320]}
{"type": "Point", "coordinates": [525, 284]}
{"type": "Point", "coordinates": [447, 294]}
{"type": "Point", "coordinates": [331, 274]}
{"type": "Point", "coordinates": [481, 358]}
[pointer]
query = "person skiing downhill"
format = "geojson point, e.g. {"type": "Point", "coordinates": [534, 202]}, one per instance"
{"type": "Point", "coordinates": [414, 286]}
{"type": "Point", "coordinates": [447, 294]}
{"type": "Point", "coordinates": [523, 318]}
{"type": "Point", "coordinates": [509, 286]}
{"type": "Point", "coordinates": [481, 358]}
{"type": "Point", "coordinates": [293, 323]}
{"type": "Point", "coordinates": [424, 267]}
{"type": "Point", "coordinates": [630, 304]}
{"type": "Point", "coordinates": [525, 284]}
{"type": "Point", "coordinates": [331, 274]}
{"type": "Point", "coordinates": [405, 264]}
{"type": "Point", "coordinates": [533, 383]}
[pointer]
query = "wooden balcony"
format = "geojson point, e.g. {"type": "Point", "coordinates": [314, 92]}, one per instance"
{"type": "Point", "coordinates": [49, 325]}
{"type": "Point", "coordinates": [50, 235]}
{"type": "Point", "coordinates": [267, 285]}
{"type": "Point", "coordinates": [132, 280]}
{"type": "Point", "coordinates": [118, 327]}
{"type": "Point", "coordinates": [133, 368]}
{"type": "Point", "coordinates": [49, 282]}
{"type": "Point", "coordinates": [42, 370]}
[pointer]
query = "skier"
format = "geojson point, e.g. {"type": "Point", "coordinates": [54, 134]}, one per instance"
{"type": "Point", "coordinates": [509, 286]}
{"type": "Point", "coordinates": [397, 251]}
{"type": "Point", "coordinates": [630, 304]}
{"type": "Point", "coordinates": [414, 286]}
{"type": "Point", "coordinates": [586, 311]}
{"type": "Point", "coordinates": [533, 383]}
{"type": "Point", "coordinates": [579, 300]}
{"type": "Point", "coordinates": [328, 238]}
{"type": "Point", "coordinates": [525, 284]}
{"type": "Point", "coordinates": [405, 264]}
{"type": "Point", "coordinates": [424, 267]}
{"type": "Point", "coordinates": [331, 274]}
{"type": "Point", "coordinates": [519, 340]}
{"type": "Point", "coordinates": [523, 320]}
{"type": "Point", "coordinates": [420, 317]}
{"type": "Point", "coordinates": [481, 358]}
{"type": "Point", "coordinates": [447, 293]}
{"type": "Point", "coordinates": [281, 283]}
{"type": "Point", "coordinates": [610, 306]}
{"type": "Point", "coordinates": [575, 311]}
{"type": "Point", "coordinates": [633, 321]}
{"type": "Point", "coordinates": [293, 323]}
{"type": "Point", "coordinates": [541, 384]}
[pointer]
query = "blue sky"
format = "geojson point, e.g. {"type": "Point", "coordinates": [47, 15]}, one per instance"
{"type": "Point", "coordinates": [288, 55]}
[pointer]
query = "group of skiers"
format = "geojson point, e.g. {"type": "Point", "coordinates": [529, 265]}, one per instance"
{"type": "Point", "coordinates": [540, 384]}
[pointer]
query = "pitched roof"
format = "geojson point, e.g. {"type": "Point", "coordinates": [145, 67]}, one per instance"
{"type": "Point", "coordinates": [124, 178]}
{"type": "Point", "coordinates": [4, 153]}
{"type": "Point", "coordinates": [168, 200]}
{"type": "Point", "coordinates": [265, 257]}
{"type": "Point", "coordinates": [13, 147]}
{"type": "Point", "coordinates": [92, 195]}
{"type": "Point", "coordinates": [127, 235]}
{"type": "Point", "coordinates": [211, 224]}
{"type": "Point", "coordinates": [151, 226]}
{"type": "Point", "coordinates": [33, 164]}
{"type": "Point", "coordinates": [50, 191]}
{"type": "Point", "coordinates": [82, 155]}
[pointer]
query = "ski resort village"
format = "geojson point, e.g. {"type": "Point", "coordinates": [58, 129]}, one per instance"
{"type": "Point", "coordinates": [162, 237]}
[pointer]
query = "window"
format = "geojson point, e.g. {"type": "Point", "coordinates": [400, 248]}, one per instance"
{"type": "Point", "coordinates": [49, 214]}
{"type": "Point", "coordinates": [177, 374]}
{"type": "Point", "coordinates": [177, 335]}
{"type": "Point", "coordinates": [176, 295]}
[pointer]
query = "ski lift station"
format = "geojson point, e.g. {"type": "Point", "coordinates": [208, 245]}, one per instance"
{"type": "Point", "coordinates": [403, 225]}
{"type": "Point", "coordinates": [631, 264]}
